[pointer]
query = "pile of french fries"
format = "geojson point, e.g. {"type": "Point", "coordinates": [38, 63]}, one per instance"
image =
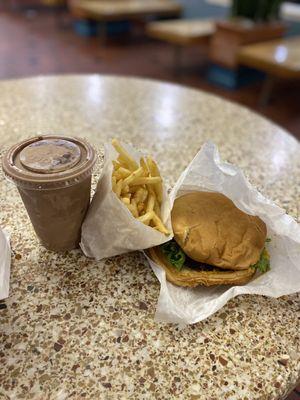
{"type": "Point", "coordinates": [139, 187]}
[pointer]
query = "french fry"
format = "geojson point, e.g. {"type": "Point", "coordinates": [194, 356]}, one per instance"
{"type": "Point", "coordinates": [119, 187]}
{"type": "Point", "coordinates": [124, 172]}
{"type": "Point", "coordinates": [117, 175]}
{"type": "Point", "coordinates": [140, 195]}
{"type": "Point", "coordinates": [134, 189]}
{"type": "Point", "coordinates": [157, 209]}
{"type": "Point", "coordinates": [159, 192]}
{"type": "Point", "coordinates": [146, 181]}
{"type": "Point", "coordinates": [126, 196]}
{"type": "Point", "coordinates": [123, 162]}
{"type": "Point", "coordinates": [145, 195]}
{"type": "Point", "coordinates": [135, 174]}
{"type": "Point", "coordinates": [145, 166]}
{"type": "Point", "coordinates": [130, 161]}
{"type": "Point", "coordinates": [141, 208]}
{"type": "Point", "coordinates": [146, 218]}
{"type": "Point", "coordinates": [134, 203]}
{"type": "Point", "coordinates": [150, 189]}
{"type": "Point", "coordinates": [116, 164]}
{"type": "Point", "coordinates": [126, 200]}
{"type": "Point", "coordinates": [114, 183]}
{"type": "Point", "coordinates": [138, 187]}
{"type": "Point", "coordinates": [125, 189]}
{"type": "Point", "coordinates": [159, 225]}
{"type": "Point", "coordinates": [154, 171]}
{"type": "Point", "coordinates": [133, 209]}
{"type": "Point", "coordinates": [150, 203]}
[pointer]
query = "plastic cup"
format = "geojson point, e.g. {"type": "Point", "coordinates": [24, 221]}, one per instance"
{"type": "Point", "coordinates": [53, 177]}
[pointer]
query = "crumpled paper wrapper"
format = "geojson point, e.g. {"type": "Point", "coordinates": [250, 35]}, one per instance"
{"type": "Point", "coordinates": [208, 173]}
{"type": "Point", "coordinates": [109, 228]}
{"type": "Point", "coordinates": [5, 255]}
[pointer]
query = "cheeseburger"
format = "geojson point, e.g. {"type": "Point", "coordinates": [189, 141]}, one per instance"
{"type": "Point", "coordinates": [215, 243]}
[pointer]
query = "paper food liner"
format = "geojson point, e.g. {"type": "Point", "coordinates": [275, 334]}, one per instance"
{"type": "Point", "coordinates": [109, 228]}
{"type": "Point", "coordinates": [208, 173]}
{"type": "Point", "coordinates": [5, 255]}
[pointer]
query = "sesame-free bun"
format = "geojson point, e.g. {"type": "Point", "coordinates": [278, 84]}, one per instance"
{"type": "Point", "coordinates": [211, 229]}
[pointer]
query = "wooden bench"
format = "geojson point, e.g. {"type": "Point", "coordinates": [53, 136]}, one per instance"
{"type": "Point", "coordinates": [106, 11]}
{"type": "Point", "coordinates": [278, 59]}
{"type": "Point", "coordinates": [182, 33]}
{"type": "Point", "coordinates": [115, 10]}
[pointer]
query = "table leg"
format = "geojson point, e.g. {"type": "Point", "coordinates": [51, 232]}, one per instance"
{"type": "Point", "coordinates": [266, 90]}
{"type": "Point", "coordinates": [103, 32]}
{"type": "Point", "coordinates": [177, 59]}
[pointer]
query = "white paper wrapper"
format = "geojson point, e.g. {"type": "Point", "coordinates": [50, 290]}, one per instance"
{"type": "Point", "coordinates": [109, 228]}
{"type": "Point", "coordinates": [208, 173]}
{"type": "Point", "coordinates": [4, 264]}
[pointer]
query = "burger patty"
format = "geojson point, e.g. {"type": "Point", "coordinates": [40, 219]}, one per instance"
{"type": "Point", "coordinates": [198, 266]}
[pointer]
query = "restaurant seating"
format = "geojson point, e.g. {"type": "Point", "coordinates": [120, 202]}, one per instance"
{"type": "Point", "coordinates": [278, 59]}
{"type": "Point", "coordinates": [111, 15]}
{"type": "Point", "coordinates": [182, 33]}
{"type": "Point", "coordinates": [113, 10]}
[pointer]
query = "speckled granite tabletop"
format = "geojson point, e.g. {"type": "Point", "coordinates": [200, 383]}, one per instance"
{"type": "Point", "coordinates": [73, 328]}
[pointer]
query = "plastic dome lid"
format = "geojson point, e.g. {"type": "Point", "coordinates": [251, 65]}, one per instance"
{"type": "Point", "coordinates": [49, 162]}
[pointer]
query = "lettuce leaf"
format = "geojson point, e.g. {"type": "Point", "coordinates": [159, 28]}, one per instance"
{"type": "Point", "coordinates": [174, 254]}
{"type": "Point", "coordinates": [177, 258]}
{"type": "Point", "coordinates": [263, 264]}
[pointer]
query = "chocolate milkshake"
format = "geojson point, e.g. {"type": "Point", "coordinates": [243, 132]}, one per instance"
{"type": "Point", "coordinates": [53, 177]}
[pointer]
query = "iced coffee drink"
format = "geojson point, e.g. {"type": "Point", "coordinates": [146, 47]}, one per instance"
{"type": "Point", "coordinates": [53, 177]}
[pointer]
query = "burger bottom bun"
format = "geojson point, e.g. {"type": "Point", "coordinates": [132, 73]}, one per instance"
{"type": "Point", "coordinates": [188, 277]}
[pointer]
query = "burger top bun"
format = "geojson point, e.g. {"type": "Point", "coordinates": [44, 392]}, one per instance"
{"type": "Point", "coordinates": [211, 229]}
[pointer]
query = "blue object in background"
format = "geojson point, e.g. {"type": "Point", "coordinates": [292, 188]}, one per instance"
{"type": "Point", "coordinates": [293, 28]}
{"type": "Point", "coordinates": [86, 28]}
{"type": "Point", "coordinates": [233, 79]}
{"type": "Point", "coordinates": [89, 28]}
{"type": "Point", "coordinates": [202, 9]}
{"type": "Point", "coordinates": [117, 27]}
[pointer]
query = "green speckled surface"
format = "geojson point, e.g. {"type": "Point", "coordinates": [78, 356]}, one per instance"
{"type": "Point", "coordinates": [73, 328]}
